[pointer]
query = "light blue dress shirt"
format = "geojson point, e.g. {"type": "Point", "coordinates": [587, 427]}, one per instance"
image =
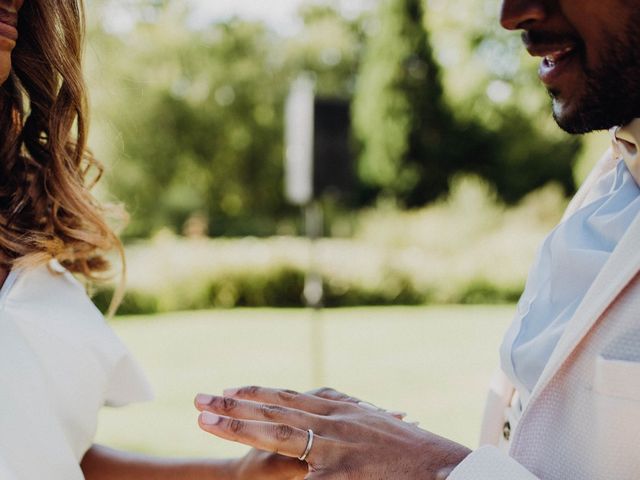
{"type": "Point", "coordinates": [565, 267]}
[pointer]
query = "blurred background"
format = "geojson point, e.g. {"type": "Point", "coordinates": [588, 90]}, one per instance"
{"type": "Point", "coordinates": [441, 171]}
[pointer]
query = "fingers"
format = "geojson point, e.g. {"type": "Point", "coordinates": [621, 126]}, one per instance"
{"type": "Point", "coordinates": [331, 394]}
{"type": "Point", "coordinates": [258, 464]}
{"type": "Point", "coordinates": [250, 410]}
{"type": "Point", "coordinates": [323, 401]}
{"type": "Point", "coordinates": [287, 398]}
{"type": "Point", "coordinates": [399, 415]}
{"type": "Point", "coordinates": [272, 437]}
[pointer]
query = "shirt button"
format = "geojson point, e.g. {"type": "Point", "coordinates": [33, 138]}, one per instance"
{"type": "Point", "coordinates": [506, 431]}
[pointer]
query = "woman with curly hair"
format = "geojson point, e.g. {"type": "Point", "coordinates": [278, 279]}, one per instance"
{"type": "Point", "coordinates": [59, 361]}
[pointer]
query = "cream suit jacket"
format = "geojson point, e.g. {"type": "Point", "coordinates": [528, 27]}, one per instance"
{"type": "Point", "coordinates": [582, 420]}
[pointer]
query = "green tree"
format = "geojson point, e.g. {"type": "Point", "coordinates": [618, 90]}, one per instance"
{"type": "Point", "coordinates": [190, 121]}
{"type": "Point", "coordinates": [198, 115]}
{"type": "Point", "coordinates": [400, 117]}
{"type": "Point", "coordinates": [503, 114]}
{"type": "Point", "coordinates": [330, 46]}
{"type": "Point", "coordinates": [415, 134]}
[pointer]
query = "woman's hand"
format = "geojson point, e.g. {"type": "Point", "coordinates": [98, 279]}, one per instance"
{"type": "Point", "coordinates": [351, 440]}
{"type": "Point", "coordinates": [260, 465]}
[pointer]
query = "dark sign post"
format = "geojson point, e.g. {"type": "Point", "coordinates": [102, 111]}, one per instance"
{"type": "Point", "coordinates": [317, 138]}
{"type": "Point", "coordinates": [333, 165]}
{"type": "Point", "coordinates": [317, 162]}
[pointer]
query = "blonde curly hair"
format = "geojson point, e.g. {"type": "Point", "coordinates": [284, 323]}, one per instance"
{"type": "Point", "coordinates": [46, 171]}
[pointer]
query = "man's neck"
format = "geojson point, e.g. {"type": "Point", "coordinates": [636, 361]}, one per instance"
{"type": "Point", "coordinates": [626, 145]}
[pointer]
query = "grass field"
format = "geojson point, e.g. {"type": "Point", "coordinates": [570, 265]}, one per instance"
{"type": "Point", "coordinates": [433, 362]}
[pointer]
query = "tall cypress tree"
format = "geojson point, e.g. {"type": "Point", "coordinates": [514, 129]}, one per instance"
{"type": "Point", "coordinates": [400, 117]}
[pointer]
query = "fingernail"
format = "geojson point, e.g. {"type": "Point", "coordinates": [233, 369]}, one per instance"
{"type": "Point", "coordinates": [369, 406]}
{"type": "Point", "coordinates": [208, 418]}
{"type": "Point", "coordinates": [203, 399]}
{"type": "Point", "coordinates": [399, 414]}
{"type": "Point", "coordinates": [231, 392]}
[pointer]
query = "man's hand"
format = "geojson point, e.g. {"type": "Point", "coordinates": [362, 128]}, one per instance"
{"type": "Point", "coordinates": [261, 465]}
{"type": "Point", "coordinates": [352, 440]}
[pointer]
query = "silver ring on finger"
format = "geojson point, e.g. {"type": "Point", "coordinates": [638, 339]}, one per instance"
{"type": "Point", "coordinates": [307, 450]}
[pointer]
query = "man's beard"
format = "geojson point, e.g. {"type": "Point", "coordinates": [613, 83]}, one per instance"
{"type": "Point", "coordinates": [612, 93]}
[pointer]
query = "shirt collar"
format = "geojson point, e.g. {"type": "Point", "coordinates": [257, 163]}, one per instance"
{"type": "Point", "coordinates": [626, 145]}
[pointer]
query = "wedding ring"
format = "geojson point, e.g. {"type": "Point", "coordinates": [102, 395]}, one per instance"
{"type": "Point", "coordinates": [307, 450]}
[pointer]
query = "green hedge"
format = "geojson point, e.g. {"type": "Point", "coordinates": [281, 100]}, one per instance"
{"type": "Point", "coordinates": [467, 249]}
{"type": "Point", "coordinates": [284, 289]}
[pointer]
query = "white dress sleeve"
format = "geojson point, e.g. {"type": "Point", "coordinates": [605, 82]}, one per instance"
{"type": "Point", "coordinates": [60, 363]}
{"type": "Point", "coordinates": [126, 382]}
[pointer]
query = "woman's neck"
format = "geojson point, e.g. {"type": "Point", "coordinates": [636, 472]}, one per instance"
{"type": "Point", "coordinates": [3, 275]}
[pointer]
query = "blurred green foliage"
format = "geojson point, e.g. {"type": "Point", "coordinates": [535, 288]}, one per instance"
{"type": "Point", "coordinates": [413, 141]}
{"type": "Point", "coordinates": [400, 117]}
{"type": "Point", "coordinates": [189, 121]}
{"type": "Point", "coordinates": [469, 248]}
{"type": "Point", "coordinates": [199, 118]}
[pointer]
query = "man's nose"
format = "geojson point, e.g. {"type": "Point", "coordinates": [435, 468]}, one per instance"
{"type": "Point", "coordinates": [517, 14]}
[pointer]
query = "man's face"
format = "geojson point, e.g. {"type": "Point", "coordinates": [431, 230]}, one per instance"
{"type": "Point", "coordinates": [590, 53]}
{"type": "Point", "coordinates": [8, 34]}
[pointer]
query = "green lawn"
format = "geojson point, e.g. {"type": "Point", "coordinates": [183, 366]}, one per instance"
{"type": "Point", "coordinates": [433, 362]}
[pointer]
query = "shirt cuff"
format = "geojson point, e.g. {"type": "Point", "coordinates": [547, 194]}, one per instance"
{"type": "Point", "coordinates": [490, 463]}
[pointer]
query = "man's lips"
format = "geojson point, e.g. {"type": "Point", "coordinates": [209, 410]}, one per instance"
{"type": "Point", "coordinates": [552, 46]}
{"type": "Point", "coordinates": [557, 52]}
{"type": "Point", "coordinates": [552, 54]}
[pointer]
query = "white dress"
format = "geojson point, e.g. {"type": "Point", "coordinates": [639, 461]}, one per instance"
{"type": "Point", "coordinates": [59, 364]}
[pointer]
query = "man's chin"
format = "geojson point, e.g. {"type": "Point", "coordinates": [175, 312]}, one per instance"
{"type": "Point", "coordinates": [580, 118]}
{"type": "Point", "coordinates": [569, 120]}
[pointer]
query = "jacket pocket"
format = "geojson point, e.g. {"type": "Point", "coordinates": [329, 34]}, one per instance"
{"type": "Point", "coordinates": [617, 378]}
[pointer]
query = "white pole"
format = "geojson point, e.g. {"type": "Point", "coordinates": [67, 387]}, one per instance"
{"type": "Point", "coordinates": [314, 292]}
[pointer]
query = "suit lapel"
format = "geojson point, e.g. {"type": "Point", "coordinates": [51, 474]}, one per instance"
{"type": "Point", "coordinates": [618, 271]}
{"type": "Point", "coordinates": [622, 266]}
